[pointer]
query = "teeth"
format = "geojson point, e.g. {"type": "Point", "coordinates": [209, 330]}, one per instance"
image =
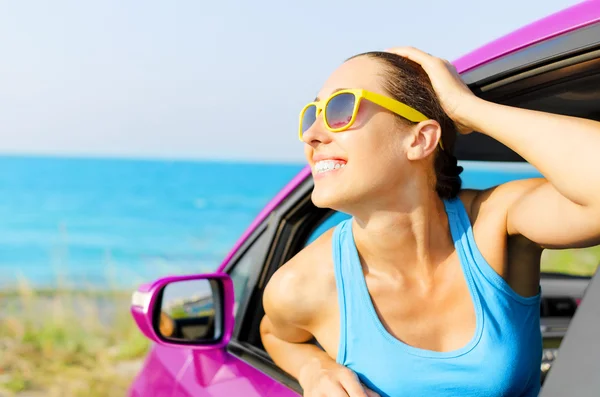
{"type": "Point", "coordinates": [328, 165]}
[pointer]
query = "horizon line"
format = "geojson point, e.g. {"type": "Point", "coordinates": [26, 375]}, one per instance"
{"type": "Point", "coordinates": [147, 157]}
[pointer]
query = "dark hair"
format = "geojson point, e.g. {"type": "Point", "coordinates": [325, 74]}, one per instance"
{"type": "Point", "coordinates": [407, 82]}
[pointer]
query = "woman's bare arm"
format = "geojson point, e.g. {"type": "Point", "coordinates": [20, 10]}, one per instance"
{"type": "Point", "coordinates": [295, 300]}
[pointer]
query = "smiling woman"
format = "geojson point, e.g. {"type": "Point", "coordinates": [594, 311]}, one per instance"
{"type": "Point", "coordinates": [402, 295]}
{"type": "Point", "coordinates": [407, 297]}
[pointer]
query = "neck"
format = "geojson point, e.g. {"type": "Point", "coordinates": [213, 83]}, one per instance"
{"type": "Point", "coordinates": [407, 240]}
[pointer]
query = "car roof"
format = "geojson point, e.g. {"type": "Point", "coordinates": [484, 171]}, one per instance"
{"type": "Point", "coordinates": [567, 20]}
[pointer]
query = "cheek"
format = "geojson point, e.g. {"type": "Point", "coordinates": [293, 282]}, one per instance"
{"type": "Point", "coordinates": [365, 147]}
{"type": "Point", "coordinates": [375, 149]}
{"type": "Point", "coordinates": [308, 152]}
{"type": "Point", "coordinates": [372, 132]}
{"type": "Point", "coordinates": [375, 140]}
{"type": "Point", "coordinates": [365, 111]}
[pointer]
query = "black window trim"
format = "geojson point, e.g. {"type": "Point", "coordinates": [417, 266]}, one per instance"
{"type": "Point", "coordinates": [259, 236]}
{"type": "Point", "coordinates": [562, 46]}
{"type": "Point", "coordinates": [285, 223]}
{"type": "Point", "coordinates": [517, 87]}
{"type": "Point", "coordinates": [259, 360]}
{"type": "Point", "coordinates": [289, 216]}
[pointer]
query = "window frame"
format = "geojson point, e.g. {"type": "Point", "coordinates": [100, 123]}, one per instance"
{"type": "Point", "coordinates": [262, 236]}
{"type": "Point", "coordinates": [563, 46]}
{"type": "Point", "coordinates": [282, 233]}
{"type": "Point", "coordinates": [498, 80]}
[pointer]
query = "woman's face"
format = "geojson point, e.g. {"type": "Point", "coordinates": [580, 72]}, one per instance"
{"type": "Point", "coordinates": [373, 151]}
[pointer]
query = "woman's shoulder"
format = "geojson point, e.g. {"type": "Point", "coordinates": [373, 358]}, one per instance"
{"type": "Point", "coordinates": [495, 202]}
{"type": "Point", "coordinates": [487, 211]}
{"type": "Point", "coordinates": [304, 285]}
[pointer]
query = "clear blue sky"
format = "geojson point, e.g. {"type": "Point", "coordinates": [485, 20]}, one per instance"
{"type": "Point", "coordinates": [205, 79]}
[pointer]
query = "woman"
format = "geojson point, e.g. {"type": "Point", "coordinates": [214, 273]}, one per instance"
{"type": "Point", "coordinates": [428, 289]}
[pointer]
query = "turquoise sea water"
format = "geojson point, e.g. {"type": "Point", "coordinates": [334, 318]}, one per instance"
{"type": "Point", "coordinates": [79, 222]}
{"type": "Point", "coordinates": [112, 222]}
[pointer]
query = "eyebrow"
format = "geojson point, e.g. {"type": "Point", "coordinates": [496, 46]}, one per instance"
{"type": "Point", "coordinates": [333, 92]}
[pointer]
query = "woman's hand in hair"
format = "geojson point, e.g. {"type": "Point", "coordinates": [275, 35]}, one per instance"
{"type": "Point", "coordinates": [455, 97]}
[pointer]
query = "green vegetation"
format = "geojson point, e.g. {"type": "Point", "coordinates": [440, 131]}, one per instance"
{"type": "Point", "coordinates": [178, 312]}
{"type": "Point", "coordinates": [68, 343]}
{"type": "Point", "coordinates": [575, 262]}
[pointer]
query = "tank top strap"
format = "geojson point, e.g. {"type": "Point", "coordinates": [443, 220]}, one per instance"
{"type": "Point", "coordinates": [460, 229]}
{"type": "Point", "coordinates": [464, 242]}
{"type": "Point", "coordinates": [473, 260]}
{"type": "Point", "coordinates": [349, 278]}
{"type": "Point", "coordinates": [340, 286]}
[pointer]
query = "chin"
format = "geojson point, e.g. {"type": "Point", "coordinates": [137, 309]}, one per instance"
{"type": "Point", "coordinates": [329, 198]}
{"type": "Point", "coordinates": [325, 198]}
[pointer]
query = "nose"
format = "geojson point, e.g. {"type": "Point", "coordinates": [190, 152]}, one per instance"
{"type": "Point", "coordinates": [317, 133]}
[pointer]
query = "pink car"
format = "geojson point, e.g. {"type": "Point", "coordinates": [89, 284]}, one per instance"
{"type": "Point", "coordinates": [205, 328]}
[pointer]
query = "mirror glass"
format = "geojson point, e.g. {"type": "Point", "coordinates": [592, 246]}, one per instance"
{"type": "Point", "coordinates": [189, 311]}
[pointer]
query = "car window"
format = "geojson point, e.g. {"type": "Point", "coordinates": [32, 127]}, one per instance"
{"type": "Point", "coordinates": [571, 262]}
{"type": "Point", "coordinates": [246, 270]}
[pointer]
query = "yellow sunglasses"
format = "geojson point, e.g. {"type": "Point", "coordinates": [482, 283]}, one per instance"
{"type": "Point", "coordinates": [340, 109]}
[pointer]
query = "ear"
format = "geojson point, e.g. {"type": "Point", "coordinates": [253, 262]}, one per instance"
{"type": "Point", "coordinates": [424, 139]}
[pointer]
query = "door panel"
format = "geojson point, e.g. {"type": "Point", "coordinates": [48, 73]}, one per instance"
{"type": "Point", "coordinates": [216, 373]}
{"type": "Point", "coordinates": [575, 372]}
{"type": "Point", "coordinates": [159, 373]}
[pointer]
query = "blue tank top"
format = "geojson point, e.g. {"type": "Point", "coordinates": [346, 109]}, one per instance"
{"type": "Point", "coordinates": [502, 359]}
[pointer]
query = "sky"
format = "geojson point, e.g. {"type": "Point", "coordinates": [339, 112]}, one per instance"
{"type": "Point", "coordinates": [186, 290]}
{"type": "Point", "coordinates": [205, 79]}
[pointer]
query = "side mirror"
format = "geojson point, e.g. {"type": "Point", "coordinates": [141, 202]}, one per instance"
{"type": "Point", "coordinates": [187, 311]}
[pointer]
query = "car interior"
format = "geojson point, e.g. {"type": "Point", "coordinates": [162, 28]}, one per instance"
{"type": "Point", "coordinates": [568, 85]}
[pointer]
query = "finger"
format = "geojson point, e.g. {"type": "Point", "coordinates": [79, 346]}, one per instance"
{"type": "Point", "coordinates": [335, 392]}
{"type": "Point", "coordinates": [328, 388]}
{"type": "Point", "coordinates": [414, 54]}
{"type": "Point", "coordinates": [352, 385]}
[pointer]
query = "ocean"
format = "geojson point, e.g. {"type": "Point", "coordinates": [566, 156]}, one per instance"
{"type": "Point", "coordinates": [100, 223]}
{"type": "Point", "coordinates": [117, 223]}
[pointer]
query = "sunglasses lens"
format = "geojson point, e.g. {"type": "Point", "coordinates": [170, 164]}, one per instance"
{"type": "Point", "coordinates": [308, 117]}
{"type": "Point", "coordinates": [339, 110]}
